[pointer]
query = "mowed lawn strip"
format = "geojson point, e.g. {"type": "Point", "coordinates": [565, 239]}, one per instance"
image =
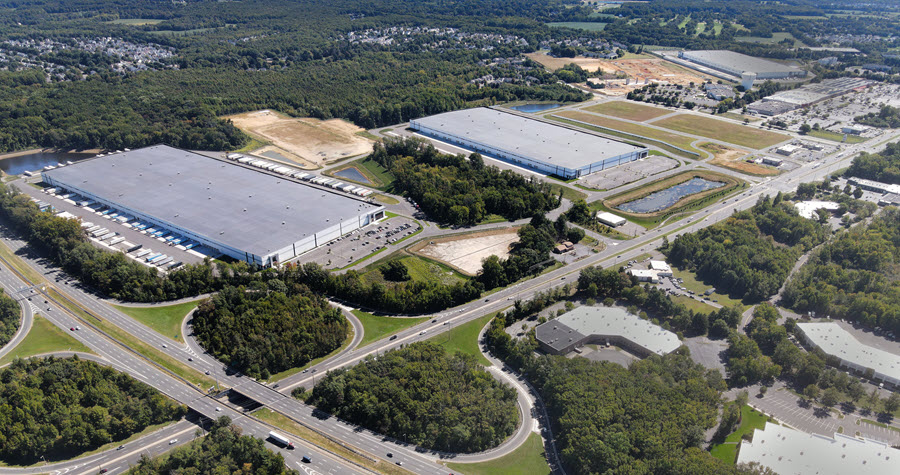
{"type": "Point", "coordinates": [164, 319]}
{"type": "Point", "coordinates": [743, 135]}
{"type": "Point", "coordinates": [750, 419]}
{"type": "Point", "coordinates": [628, 110]}
{"type": "Point", "coordinates": [44, 337]}
{"type": "Point", "coordinates": [634, 129]}
{"type": "Point", "coordinates": [528, 459]}
{"type": "Point", "coordinates": [464, 338]}
{"type": "Point", "coordinates": [376, 327]}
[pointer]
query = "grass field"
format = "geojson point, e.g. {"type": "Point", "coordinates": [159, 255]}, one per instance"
{"type": "Point", "coordinates": [420, 269]}
{"type": "Point", "coordinates": [374, 172]}
{"type": "Point", "coordinates": [776, 37]}
{"type": "Point", "coordinates": [164, 319]}
{"type": "Point", "coordinates": [376, 327]}
{"type": "Point", "coordinates": [691, 304]}
{"type": "Point", "coordinates": [578, 25]}
{"type": "Point", "coordinates": [740, 117]}
{"type": "Point", "coordinates": [137, 21]}
{"type": "Point", "coordinates": [828, 135]}
{"type": "Point", "coordinates": [750, 420]}
{"type": "Point", "coordinates": [568, 193]}
{"type": "Point", "coordinates": [44, 337]}
{"type": "Point", "coordinates": [691, 282]}
{"type": "Point", "coordinates": [722, 130]}
{"type": "Point", "coordinates": [632, 129]}
{"type": "Point", "coordinates": [628, 110]}
{"type": "Point", "coordinates": [464, 339]}
{"type": "Point", "coordinates": [294, 430]}
{"type": "Point", "coordinates": [528, 459]}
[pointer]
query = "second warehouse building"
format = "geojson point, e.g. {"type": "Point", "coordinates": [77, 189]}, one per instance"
{"type": "Point", "coordinates": [547, 148]}
{"type": "Point", "coordinates": [244, 213]}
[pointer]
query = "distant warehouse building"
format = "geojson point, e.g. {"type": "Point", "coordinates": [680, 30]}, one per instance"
{"type": "Point", "coordinates": [547, 148]}
{"type": "Point", "coordinates": [611, 325]}
{"type": "Point", "coordinates": [244, 213]}
{"type": "Point", "coordinates": [838, 343]}
{"type": "Point", "coordinates": [736, 64]}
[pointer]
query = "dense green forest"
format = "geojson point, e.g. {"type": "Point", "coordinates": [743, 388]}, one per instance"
{"type": "Point", "coordinates": [883, 166]}
{"type": "Point", "coordinates": [223, 450]}
{"type": "Point", "coordinates": [649, 418]}
{"type": "Point", "coordinates": [854, 276]}
{"type": "Point", "coordinates": [293, 56]}
{"type": "Point", "coordinates": [10, 318]}
{"type": "Point", "coordinates": [268, 328]}
{"type": "Point", "coordinates": [61, 407]}
{"type": "Point", "coordinates": [423, 395]}
{"type": "Point", "coordinates": [750, 254]}
{"type": "Point", "coordinates": [457, 191]}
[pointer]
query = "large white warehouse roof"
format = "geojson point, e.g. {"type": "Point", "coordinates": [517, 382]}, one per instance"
{"type": "Point", "coordinates": [614, 321]}
{"type": "Point", "coordinates": [791, 452]}
{"type": "Point", "coordinates": [836, 341]}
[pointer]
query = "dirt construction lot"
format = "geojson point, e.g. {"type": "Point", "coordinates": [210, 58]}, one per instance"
{"type": "Point", "coordinates": [311, 140]}
{"type": "Point", "coordinates": [466, 252]}
{"type": "Point", "coordinates": [646, 68]}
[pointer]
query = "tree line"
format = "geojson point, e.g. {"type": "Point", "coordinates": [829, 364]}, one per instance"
{"type": "Point", "coordinates": [750, 254]}
{"type": "Point", "coordinates": [851, 277]}
{"type": "Point", "coordinates": [457, 191]}
{"type": "Point", "coordinates": [269, 327]}
{"type": "Point", "coordinates": [423, 395]}
{"type": "Point", "coordinates": [10, 318]}
{"type": "Point", "coordinates": [223, 450]}
{"type": "Point", "coordinates": [61, 407]}
{"type": "Point", "coordinates": [883, 166]}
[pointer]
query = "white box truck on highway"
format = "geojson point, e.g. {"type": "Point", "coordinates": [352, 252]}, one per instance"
{"type": "Point", "coordinates": [281, 440]}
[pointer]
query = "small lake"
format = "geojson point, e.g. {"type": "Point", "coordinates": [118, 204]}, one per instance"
{"type": "Point", "coordinates": [663, 199]}
{"type": "Point", "coordinates": [36, 161]}
{"type": "Point", "coordinates": [353, 174]}
{"type": "Point", "coordinates": [532, 108]}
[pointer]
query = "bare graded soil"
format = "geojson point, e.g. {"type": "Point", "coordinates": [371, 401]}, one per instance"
{"type": "Point", "coordinates": [466, 252]}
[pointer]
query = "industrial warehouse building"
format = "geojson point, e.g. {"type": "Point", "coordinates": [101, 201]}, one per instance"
{"type": "Point", "coordinates": [540, 146]}
{"type": "Point", "coordinates": [838, 343]}
{"type": "Point", "coordinates": [248, 214]}
{"type": "Point", "coordinates": [736, 64]}
{"type": "Point", "coordinates": [789, 451]}
{"type": "Point", "coordinates": [610, 325]}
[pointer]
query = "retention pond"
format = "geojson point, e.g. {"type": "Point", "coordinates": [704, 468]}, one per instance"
{"type": "Point", "coordinates": [663, 199]}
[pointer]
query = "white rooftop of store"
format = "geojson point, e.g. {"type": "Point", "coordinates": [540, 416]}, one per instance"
{"type": "Point", "coordinates": [836, 341]}
{"type": "Point", "coordinates": [807, 209]}
{"type": "Point", "coordinates": [611, 321]}
{"type": "Point", "coordinates": [791, 452]}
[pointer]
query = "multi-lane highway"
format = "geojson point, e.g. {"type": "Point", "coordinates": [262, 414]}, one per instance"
{"type": "Point", "coordinates": [122, 359]}
{"type": "Point", "coordinates": [278, 398]}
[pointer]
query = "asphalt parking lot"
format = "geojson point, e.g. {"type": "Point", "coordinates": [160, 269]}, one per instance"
{"type": "Point", "coordinates": [361, 242]}
{"type": "Point", "coordinates": [630, 172]}
{"type": "Point", "coordinates": [709, 353]}
{"type": "Point", "coordinates": [790, 409]}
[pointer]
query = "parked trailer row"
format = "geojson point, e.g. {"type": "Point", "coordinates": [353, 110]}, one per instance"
{"type": "Point", "coordinates": [143, 253]}
{"type": "Point", "coordinates": [157, 259]}
{"type": "Point", "coordinates": [114, 241]}
{"type": "Point", "coordinates": [108, 235]}
{"type": "Point", "coordinates": [165, 261]}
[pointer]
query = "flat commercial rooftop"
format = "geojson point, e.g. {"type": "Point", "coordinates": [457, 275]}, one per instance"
{"type": "Point", "coordinates": [608, 321]}
{"type": "Point", "coordinates": [227, 203]}
{"type": "Point", "coordinates": [791, 452]}
{"type": "Point", "coordinates": [730, 59]}
{"type": "Point", "coordinates": [548, 143]}
{"type": "Point", "coordinates": [836, 341]}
